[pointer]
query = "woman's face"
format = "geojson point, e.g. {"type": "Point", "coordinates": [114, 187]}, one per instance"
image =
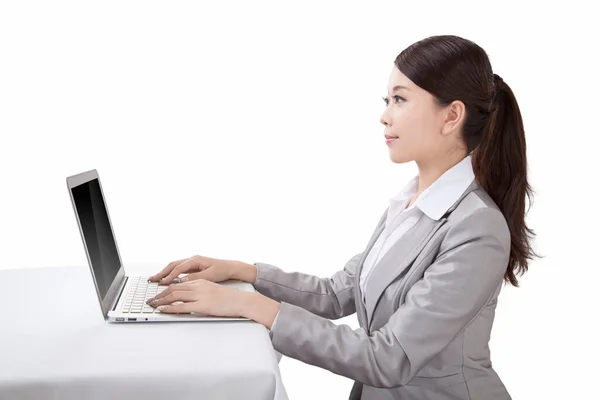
{"type": "Point", "coordinates": [412, 115]}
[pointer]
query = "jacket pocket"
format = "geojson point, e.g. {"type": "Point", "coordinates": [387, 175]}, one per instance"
{"type": "Point", "coordinates": [437, 382]}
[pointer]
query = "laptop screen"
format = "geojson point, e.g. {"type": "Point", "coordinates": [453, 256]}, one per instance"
{"type": "Point", "coordinates": [99, 238]}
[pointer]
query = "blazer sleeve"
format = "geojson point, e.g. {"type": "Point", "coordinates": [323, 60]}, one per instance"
{"type": "Point", "coordinates": [331, 298]}
{"type": "Point", "coordinates": [464, 276]}
{"type": "Point", "coordinates": [273, 325]}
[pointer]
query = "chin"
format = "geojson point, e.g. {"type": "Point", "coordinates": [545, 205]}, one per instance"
{"type": "Point", "coordinates": [399, 158]}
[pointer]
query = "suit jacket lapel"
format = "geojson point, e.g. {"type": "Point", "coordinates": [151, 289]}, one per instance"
{"type": "Point", "coordinates": [360, 307]}
{"type": "Point", "coordinates": [399, 257]}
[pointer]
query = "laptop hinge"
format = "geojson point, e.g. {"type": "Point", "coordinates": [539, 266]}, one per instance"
{"type": "Point", "coordinates": [121, 290]}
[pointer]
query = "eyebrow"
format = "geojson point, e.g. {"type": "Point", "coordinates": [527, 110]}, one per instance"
{"type": "Point", "coordinates": [399, 87]}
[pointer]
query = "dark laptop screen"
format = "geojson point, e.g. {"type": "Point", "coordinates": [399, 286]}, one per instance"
{"type": "Point", "coordinates": [98, 235]}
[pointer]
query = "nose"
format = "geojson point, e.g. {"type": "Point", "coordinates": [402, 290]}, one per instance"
{"type": "Point", "coordinates": [384, 119]}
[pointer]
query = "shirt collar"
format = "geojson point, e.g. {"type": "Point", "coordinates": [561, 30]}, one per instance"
{"type": "Point", "coordinates": [442, 194]}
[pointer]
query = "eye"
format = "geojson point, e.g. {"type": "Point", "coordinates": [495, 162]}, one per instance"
{"type": "Point", "coordinates": [397, 98]}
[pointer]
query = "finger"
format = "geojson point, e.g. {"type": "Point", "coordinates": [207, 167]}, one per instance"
{"type": "Point", "coordinates": [184, 308]}
{"type": "Point", "coordinates": [207, 274]}
{"type": "Point", "coordinates": [184, 266]}
{"type": "Point", "coordinates": [171, 289]}
{"type": "Point", "coordinates": [178, 295]}
{"type": "Point", "coordinates": [165, 271]}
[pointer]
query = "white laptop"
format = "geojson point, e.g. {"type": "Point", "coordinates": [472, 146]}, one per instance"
{"type": "Point", "coordinates": [122, 297]}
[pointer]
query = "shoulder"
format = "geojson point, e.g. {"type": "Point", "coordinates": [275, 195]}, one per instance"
{"type": "Point", "coordinates": [477, 217]}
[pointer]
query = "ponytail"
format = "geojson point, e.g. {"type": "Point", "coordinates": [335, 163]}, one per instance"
{"type": "Point", "coordinates": [500, 167]}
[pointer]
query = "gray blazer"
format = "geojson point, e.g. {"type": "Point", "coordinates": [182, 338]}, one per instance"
{"type": "Point", "coordinates": [426, 321]}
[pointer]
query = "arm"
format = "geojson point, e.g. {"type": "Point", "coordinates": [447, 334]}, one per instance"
{"type": "Point", "coordinates": [453, 290]}
{"type": "Point", "coordinates": [327, 297]}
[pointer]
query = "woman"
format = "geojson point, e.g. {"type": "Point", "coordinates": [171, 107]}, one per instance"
{"type": "Point", "coordinates": [426, 286]}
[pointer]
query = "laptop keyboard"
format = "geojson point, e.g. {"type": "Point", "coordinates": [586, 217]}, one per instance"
{"type": "Point", "coordinates": [141, 290]}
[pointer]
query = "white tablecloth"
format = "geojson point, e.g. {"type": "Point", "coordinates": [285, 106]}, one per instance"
{"type": "Point", "coordinates": [55, 344]}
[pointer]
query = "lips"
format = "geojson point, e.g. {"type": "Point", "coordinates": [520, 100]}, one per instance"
{"type": "Point", "coordinates": [390, 137]}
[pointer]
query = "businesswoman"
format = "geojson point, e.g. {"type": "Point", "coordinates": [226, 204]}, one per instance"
{"type": "Point", "coordinates": [426, 286]}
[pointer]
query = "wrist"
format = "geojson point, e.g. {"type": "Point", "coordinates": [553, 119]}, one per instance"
{"type": "Point", "coordinates": [244, 272]}
{"type": "Point", "coordinates": [259, 308]}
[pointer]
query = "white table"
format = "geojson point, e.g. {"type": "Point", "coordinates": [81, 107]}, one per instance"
{"type": "Point", "coordinates": [55, 344]}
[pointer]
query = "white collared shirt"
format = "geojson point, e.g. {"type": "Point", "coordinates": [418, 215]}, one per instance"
{"type": "Point", "coordinates": [433, 203]}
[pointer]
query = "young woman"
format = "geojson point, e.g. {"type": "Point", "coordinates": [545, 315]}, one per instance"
{"type": "Point", "coordinates": [426, 286]}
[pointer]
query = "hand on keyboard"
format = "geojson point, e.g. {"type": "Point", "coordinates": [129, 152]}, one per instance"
{"type": "Point", "coordinates": [203, 297]}
{"type": "Point", "coordinates": [198, 267]}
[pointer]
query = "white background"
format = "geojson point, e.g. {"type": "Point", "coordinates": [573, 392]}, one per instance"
{"type": "Point", "coordinates": [250, 131]}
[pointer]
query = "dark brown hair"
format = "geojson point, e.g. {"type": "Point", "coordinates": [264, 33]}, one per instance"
{"type": "Point", "coordinates": [452, 68]}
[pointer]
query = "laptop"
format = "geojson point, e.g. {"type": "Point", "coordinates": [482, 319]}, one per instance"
{"type": "Point", "coordinates": [122, 297]}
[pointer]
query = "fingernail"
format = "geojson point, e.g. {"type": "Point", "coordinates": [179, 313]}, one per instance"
{"type": "Point", "coordinates": [153, 302]}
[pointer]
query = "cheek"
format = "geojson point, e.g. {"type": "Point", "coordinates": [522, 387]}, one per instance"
{"type": "Point", "coordinates": [414, 129]}
{"type": "Point", "coordinates": [409, 125]}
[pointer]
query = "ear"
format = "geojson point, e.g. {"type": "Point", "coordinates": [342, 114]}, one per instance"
{"type": "Point", "coordinates": [454, 116]}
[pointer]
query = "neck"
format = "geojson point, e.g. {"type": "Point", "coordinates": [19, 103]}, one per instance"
{"type": "Point", "coordinates": [430, 171]}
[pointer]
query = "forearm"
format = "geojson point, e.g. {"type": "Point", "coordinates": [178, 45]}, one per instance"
{"type": "Point", "coordinates": [376, 359]}
{"type": "Point", "coordinates": [328, 297]}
